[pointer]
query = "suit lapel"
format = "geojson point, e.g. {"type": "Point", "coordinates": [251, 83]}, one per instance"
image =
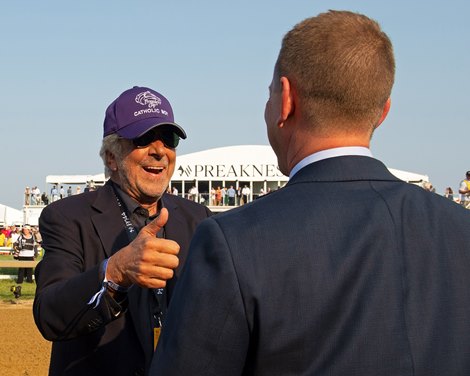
{"type": "Point", "coordinates": [108, 222]}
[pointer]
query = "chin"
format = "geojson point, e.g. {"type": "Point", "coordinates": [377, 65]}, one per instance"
{"type": "Point", "coordinates": [158, 194]}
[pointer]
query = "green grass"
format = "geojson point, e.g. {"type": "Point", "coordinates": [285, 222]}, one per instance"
{"type": "Point", "coordinates": [6, 295]}
{"type": "Point", "coordinates": [27, 290]}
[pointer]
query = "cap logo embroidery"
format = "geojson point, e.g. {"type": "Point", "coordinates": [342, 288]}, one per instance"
{"type": "Point", "coordinates": [146, 98]}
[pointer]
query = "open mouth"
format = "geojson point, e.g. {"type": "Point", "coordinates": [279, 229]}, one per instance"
{"type": "Point", "coordinates": [154, 170]}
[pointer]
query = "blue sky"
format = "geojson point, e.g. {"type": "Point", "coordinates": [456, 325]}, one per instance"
{"type": "Point", "coordinates": [63, 62]}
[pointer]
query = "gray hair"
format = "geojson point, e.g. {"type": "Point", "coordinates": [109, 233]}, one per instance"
{"type": "Point", "coordinates": [111, 144]}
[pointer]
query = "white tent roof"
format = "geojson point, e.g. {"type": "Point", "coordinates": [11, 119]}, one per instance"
{"type": "Point", "coordinates": [74, 179]}
{"type": "Point", "coordinates": [239, 154]}
{"type": "Point", "coordinates": [409, 177]}
{"type": "Point", "coordinates": [10, 216]}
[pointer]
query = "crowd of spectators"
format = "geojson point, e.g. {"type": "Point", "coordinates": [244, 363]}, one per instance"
{"type": "Point", "coordinates": [9, 235]}
{"type": "Point", "coordinates": [220, 196]}
{"type": "Point", "coordinates": [34, 196]}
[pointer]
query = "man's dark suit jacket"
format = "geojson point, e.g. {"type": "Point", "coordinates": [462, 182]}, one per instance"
{"type": "Point", "coordinates": [78, 233]}
{"type": "Point", "coordinates": [345, 271]}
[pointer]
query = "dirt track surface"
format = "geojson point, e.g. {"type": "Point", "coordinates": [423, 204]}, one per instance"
{"type": "Point", "coordinates": [23, 351]}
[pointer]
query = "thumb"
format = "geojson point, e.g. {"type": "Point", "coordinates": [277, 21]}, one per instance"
{"type": "Point", "coordinates": [155, 226]}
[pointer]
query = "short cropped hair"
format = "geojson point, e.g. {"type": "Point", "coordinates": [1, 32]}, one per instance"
{"type": "Point", "coordinates": [342, 66]}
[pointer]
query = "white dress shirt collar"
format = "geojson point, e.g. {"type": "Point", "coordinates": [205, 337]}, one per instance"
{"type": "Point", "coordinates": [330, 153]}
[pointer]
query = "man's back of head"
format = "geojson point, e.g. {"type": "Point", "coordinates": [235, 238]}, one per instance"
{"type": "Point", "coordinates": [342, 66]}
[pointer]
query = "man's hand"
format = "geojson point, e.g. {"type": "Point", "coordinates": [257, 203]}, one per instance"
{"type": "Point", "coordinates": [147, 261]}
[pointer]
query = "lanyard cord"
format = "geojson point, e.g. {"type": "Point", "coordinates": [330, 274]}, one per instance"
{"type": "Point", "coordinates": [130, 229]}
{"type": "Point", "coordinates": [160, 293]}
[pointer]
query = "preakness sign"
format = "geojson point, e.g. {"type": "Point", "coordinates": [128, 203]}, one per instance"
{"type": "Point", "coordinates": [223, 171]}
{"type": "Point", "coordinates": [242, 162]}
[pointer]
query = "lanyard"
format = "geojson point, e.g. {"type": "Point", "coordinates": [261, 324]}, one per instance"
{"type": "Point", "coordinates": [159, 309]}
{"type": "Point", "coordinates": [130, 229]}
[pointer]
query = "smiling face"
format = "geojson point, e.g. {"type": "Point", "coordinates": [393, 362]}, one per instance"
{"type": "Point", "coordinates": [143, 173]}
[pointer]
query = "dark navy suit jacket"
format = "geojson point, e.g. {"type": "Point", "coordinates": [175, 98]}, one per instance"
{"type": "Point", "coordinates": [78, 233]}
{"type": "Point", "coordinates": [345, 271]}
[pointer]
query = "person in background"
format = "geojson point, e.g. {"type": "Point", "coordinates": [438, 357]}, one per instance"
{"type": "Point", "coordinates": [212, 196]}
{"type": "Point", "coordinates": [69, 191]}
{"type": "Point", "coordinates": [464, 190]}
{"type": "Point", "coordinates": [449, 193]}
{"type": "Point", "coordinates": [24, 249]}
{"type": "Point", "coordinates": [429, 187]}
{"type": "Point", "coordinates": [13, 236]}
{"type": "Point", "coordinates": [193, 194]}
{"type": "Point", "coordinates": [218, 196]}
{"type": "Point", "coordinates": [27, 196]}
{"type": "Point", "coordinates": [7, 230]}
{"type": "Point", "coordinates": [246, 194]}
{"type": "Point", "coordinates": [346, 270]}
{"type": "Point", "coordinates": [112, 255]}
{"type": "Point", "coordinates": [54, 193]}
{"type": "Point", "coordinates": [33, 196]}
{"type": "Point", "coordinates": [231, 193]}
{"type": "Point", "coordinates": [90, 186]}
{"type": "Point", "coordinates": [44, 198]}
{"type": "Point", "coordinates": [3, 237]}
{"type": "Point", "coordinates": [37, 194]}
{"type": "Point", "coordinates": [223, 196]}
{"type": "Point", "coordinates": [37, 241]}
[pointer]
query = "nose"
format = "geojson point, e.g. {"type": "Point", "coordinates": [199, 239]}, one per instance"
{"type": "Point", "coordinates": [157, 147]}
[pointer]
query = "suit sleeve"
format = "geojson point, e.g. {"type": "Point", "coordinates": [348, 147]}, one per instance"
{"type": "Point", "coordinates": [206, 331]}
{"type": "Point", "coordinates": [65, 283]}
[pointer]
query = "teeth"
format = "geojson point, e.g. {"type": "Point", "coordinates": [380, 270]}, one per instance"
{"type": "Point", "coordinates": [154, 168]}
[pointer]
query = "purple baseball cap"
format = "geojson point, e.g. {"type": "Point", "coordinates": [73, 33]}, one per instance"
{"type": "Point", "coordinates": [138, 110]}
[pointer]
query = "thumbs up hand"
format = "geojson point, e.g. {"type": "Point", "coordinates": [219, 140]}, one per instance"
{"type": "Point", "coordinates": [147, 261]}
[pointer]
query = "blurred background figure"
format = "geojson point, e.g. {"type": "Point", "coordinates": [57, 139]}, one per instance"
{"type": "Point", "coordinates": [25, 251]}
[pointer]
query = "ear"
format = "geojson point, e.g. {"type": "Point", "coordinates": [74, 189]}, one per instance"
{"type": "Point", "coordinates": [287, 100]}
{"type": "Point", "coordinates": [111, 161]}
{"type": "Point", "coordinates": [385, 111]}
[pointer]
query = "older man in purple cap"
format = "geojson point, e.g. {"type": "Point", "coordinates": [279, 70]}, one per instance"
{"type": "Point", "coordinates": [112, 256]}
